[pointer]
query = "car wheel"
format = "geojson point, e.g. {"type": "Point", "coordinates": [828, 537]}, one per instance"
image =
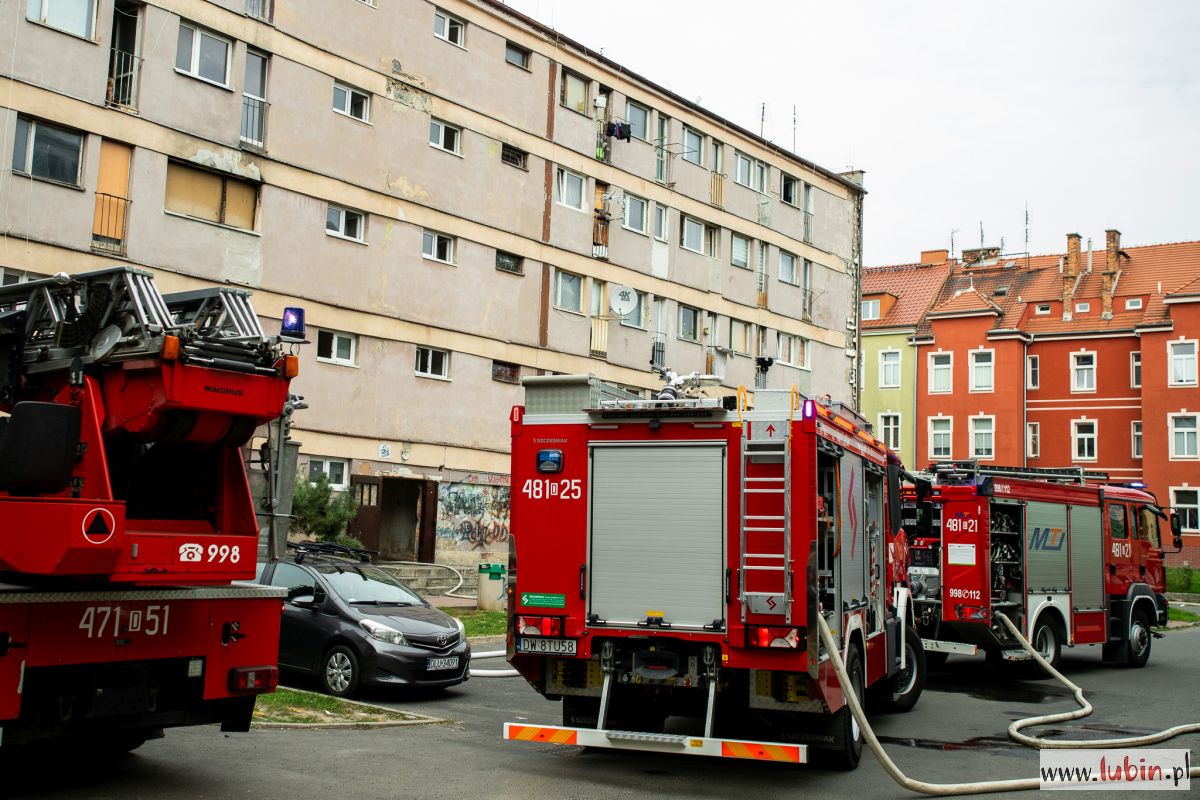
{"type": "Point", "coordinates": [339, 671]}
{"type": "Point", "coordinates": [1137, 645]}
{"type": "Point", "coordinates": [846, 725]}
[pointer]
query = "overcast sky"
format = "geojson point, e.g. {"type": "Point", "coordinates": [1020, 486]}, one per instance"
{"type": "Point", "coordinates": [959, 112]}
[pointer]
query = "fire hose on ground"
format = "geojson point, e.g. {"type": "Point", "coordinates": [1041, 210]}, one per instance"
{"type": "Point", "coordinates": [1014, 730]}
{"type": "Point", "coordinates": [491, 673]}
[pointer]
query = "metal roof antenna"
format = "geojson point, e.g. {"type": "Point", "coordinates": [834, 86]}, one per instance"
{"type": "Point", "coordinates": [1089, 267]}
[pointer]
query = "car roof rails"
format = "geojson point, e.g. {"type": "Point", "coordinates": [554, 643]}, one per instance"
{"type": "Point", "coordinates": [330, 549]}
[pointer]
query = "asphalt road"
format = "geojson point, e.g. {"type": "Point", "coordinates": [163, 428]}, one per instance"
{"type": "Point", "coordinates": [956, 733]}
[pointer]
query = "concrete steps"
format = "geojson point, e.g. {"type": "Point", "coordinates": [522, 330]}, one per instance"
{"type": "Point", "coordinates": [433, 580]}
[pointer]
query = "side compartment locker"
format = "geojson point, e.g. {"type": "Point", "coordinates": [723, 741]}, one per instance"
{"type": "Point", "coordinates": [853, 545]}
{"type": "Point", "coordinates": [1047, 560]}
{"type": "Point", "coordinates": [1087, 576]}
{"type": "Point", "coordinates": [876, 544]}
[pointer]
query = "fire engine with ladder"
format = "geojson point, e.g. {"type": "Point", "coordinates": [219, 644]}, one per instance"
{"type": "Point", "coordinates": [1070, 561]}
{"type": "Point", "coordinates": [671, 558]}
{"type": "Point", "coordinates": [126, 510]}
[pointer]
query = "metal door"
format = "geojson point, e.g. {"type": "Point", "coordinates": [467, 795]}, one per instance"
{"type": "Point", "coordinates": [368, 522]}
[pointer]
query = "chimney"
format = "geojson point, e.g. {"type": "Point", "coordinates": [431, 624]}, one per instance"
{"type": "Point", "coordinates": [1112, 269]}
{"type": "Point", "coordinates": [1071, 275]}
{"type": "Point", "coordinates": [935, 256]}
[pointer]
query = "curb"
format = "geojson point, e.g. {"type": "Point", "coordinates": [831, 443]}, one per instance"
{"type": "Point", "coordinates": [421, 719]}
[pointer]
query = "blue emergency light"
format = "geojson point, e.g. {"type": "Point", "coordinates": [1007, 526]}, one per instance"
{"type": "Point", "coordinates": [292, 327]}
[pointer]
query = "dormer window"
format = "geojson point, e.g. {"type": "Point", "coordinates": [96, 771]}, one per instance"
{"type": "Point", "coordinates": [1042, 309]}
{"type": "Point", "coordinates": [870, 309]}
{"type": "Point", "coordinates": [1083, 308]}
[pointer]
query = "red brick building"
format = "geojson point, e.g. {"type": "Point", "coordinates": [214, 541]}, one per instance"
{"type": "Point", "coordinates": [1083, 358]}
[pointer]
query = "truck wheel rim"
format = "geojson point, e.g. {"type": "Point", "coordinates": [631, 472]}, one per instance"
{"type": "Point", "coordinates": [338, 671]}
{"type": "Point", "coordinates": [1045, 643]}
{"type": "Point", "coordinates": [1139, 636]}
{"type": "Point", "coordinates": [908, 676]}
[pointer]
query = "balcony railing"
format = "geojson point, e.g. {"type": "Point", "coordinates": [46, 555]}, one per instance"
{"type": "Point", "coordinates": [110, 223]}
{"type": "Point", "coordinates": [717, 190]}
{"type": "Point", "coordinates": [261, 9]}
{"type": "Point", "coordinates": [254, 121]}
{"type": "Point", "coordinates": [658, 351]}
{"type": "Point", "coordinates": [600, 238]}
{"type": "Point", "coordinates": [124, 72]}
{"type": "Point", "coordinates": [599, 337]}
{"type": "Point", "coordinates": [808, 226]}
{"type": "Point", "coordinates": [806, 308]}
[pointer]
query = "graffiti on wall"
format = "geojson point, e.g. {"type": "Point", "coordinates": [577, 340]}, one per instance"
{"type": "Point", "coordinates": [472, 517]}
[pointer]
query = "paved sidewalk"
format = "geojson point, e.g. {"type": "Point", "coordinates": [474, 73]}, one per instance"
{"type": "Point", "coordinates": [446, 601]}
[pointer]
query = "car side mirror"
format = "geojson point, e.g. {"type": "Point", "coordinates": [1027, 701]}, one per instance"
{"type": "Point", "coordinates": [303, 600]}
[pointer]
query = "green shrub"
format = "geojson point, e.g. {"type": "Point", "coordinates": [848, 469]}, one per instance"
{"type": "Point", "coordinates": [321, 513]}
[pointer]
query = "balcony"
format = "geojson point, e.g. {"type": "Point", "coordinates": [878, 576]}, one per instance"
{"type": "Point", "coordinates": [261, 9]}
{"type": "Point", "coordinates": [124, 72]}
{"type": "Point", "coordinates": [600, 238]}
{"type": "Point", "coordinates": [717, 190]}
{"type": "Point", "coordinates": [254, 121]}
{"type": "Point", "coordinates": [599, 337]}
{"type": "Point", "coordinates": [808, 227]}
{"type": "Point", "coordinates": [109, 224]}
{"type": "Point", "coordinates": [658, 351]}
{"type": "Point", "coordinates": [806, 304]}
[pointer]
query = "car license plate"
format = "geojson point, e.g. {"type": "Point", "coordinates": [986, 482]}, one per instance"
{"type": "Point", "coordinates": [559, 647]}
{"type": "Point", "coordinates": [442, 663]}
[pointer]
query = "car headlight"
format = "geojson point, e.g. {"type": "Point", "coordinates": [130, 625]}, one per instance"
{"type": "Point", "coordinates": [383, 632]}
{"type": "Point", "coordinates": [462, 629]}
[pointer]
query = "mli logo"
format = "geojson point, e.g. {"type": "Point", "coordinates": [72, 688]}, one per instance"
{"type": "Point", "coordinates": [1047, 539]}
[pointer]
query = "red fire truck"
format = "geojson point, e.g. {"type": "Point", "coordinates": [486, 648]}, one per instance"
{"type": "Point", "coordinates": [672, 557]}
{"type": "Point", "coordinates": [126, 509]}
{"type": "Point", "coordinates": [1068, 561]}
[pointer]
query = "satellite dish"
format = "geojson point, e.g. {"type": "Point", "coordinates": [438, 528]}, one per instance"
{"type": "Point", "coordinates": [622, 300]}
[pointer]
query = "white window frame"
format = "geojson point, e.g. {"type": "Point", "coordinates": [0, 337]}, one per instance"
{"type": "Point", "coordinates": [747, 343]}
{"type": "Point", "coordinates": [933, 453]}
{"type": "Point", "coordinates": [560, 188]}
{"type": "Point", "coordinates": [1135, 438]}
{"type": "Point", "coordinates": [340, 233]}
{"type": "Point", "coordinates": [1075, 372]}
{"type": "Point", "coordinates": [559, 275]}
{"type": "Point", "coordinates": [933, 370]}
{"type": "Point", "coordinates": [1135, 369]}
{"type": "Point", "coordinates": [43, 18]}
{"type": "Point", "coordinates": [631, 104]}
{"type": "Point", "coordinates": [991, 387]}
{"type": "Point", "coordinates": [755, 172]}
{"type": "Point", "coordinates": [333, 357]}
{"type": "Point", "coordinates": [679, 333]}
{"type": "Point", "coordinates": [662, 222]}
{"type": "Point", "coordinates": [883, 368]}
{"type": "Point", "coordinates": [428, 371]}
{"type": "Point", "coordinates": [193, 69]}
{"type": "Point", "coordinates": [794, 278]}
{"type": "Point", "coordinates": [510, 46]}
{"type": "Point", "coordinates": [1033, 372]}
{"type": "Point", "coordinates": [587, 91]}
{"type": "Point", "coordinates": [797, 189]}
{"type": "Point", "coordinates": [870, 309]}
{"type": "Point", "coordinates": [438, 129]}
{"type": "Point", "coordinates": [325, 462]}
{"type": "Point", "coordinates": [1172, 358]}
{"type": "Point", "coordinates": [1075, 439]}
{"type": "Point", "coordinates": [346, 110]}
{"type": "Point", "coordinates": [1083, 308]}
{"type": "Point", "coordinates": [1175, 505]}
{"type": "Point", "coordinates": [703, 235]}
{"type": "Point", "coordinates": [884, 429]}
{"type": "Point", "coordinates": [1133, 303]}
{"type": "Point", "coordinates": [1041, 309]}
{"type": "Point", "coordinates": [446, 36]}
{"type": "Point", "coordinates": [637, 226]}
{"type": "Point", "coordinates": [733, 238]}
{"type": "Point", "coordinates": [796, 346]}
{"type": "Point", "coordinates": [1175, 454]}
{"type": "Point", "coordinates": [435, 238]}
{"type": "Point", "coordinates": [971, 430]}
{"type": "Point", "coordinates": [689, 155]}
{"type": "Point", "coordinates": [1033, 439]}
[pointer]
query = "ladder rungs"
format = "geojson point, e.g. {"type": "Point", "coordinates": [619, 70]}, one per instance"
{"type": "Point", "coordinates": [762, 516]}
{"type": "Point", "coordinates": [763, 569]}
{"type": "Point", "coordinates": [780, 595]}
{"type": "Point", "coordinates": [764, 530]}
{"type": "Point", "coordinates": [771, 479]}
{"type": "Point", "coordinates": [763, 491]}
{"type": "Point", "coordinates": [766, 555]}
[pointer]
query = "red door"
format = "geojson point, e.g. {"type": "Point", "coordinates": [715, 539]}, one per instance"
{"type": "Point", "coordinates": [966, 588]}
{"type": "Point", "coordinates": [1118, 550]}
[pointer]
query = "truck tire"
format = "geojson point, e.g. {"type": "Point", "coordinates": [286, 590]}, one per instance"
{"type": "Point", "coordinates": [845, 725]}
{"type": "Point", "coordinates": [1047, 641]}
{"type": "Point", "coordinates": [339, 671]}
{"type": "Point", "coordinates": [901, 691]}
{"type": "Point", "coordinates": [1137, 643]}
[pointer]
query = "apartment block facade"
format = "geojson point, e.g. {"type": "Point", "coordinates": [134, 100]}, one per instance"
{"type": "Point", "coordinates": [455, 193]}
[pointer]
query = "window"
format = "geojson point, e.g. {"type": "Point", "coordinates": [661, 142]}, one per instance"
{"type": "Point", "coordinates": [507, 262]}
{"type": "Point", "coordinates": [982, 437]}
{"type": "Point", "coordinates": [792, 350]}
{"type": "Point", "coordinates": [337, 471]}
{"type": "Point", "coordinates": [1083, 308]}
{"type": "Point", "coordinates": [1083, 372]}
{"type": "Point", "coordinates": [635, 213]}
{"type": "Point", "coordinates": [740, 256]}
{"type": "Point", "coordinates": [337, 348]}
{"type": "Point", "coordinates": [47, 151]}
{"type": "Point", "coordinates": [570, 189]}
{"type": "Point", "coordinates": [254, 99]}
{"type": "Point", "coordinates": [693, 147]}
{"type": "Point", "coordinates": [638, 117]}
{"type": "Point", "coordinates": [574, 92]}
{"type": "Point", "coordinates": [636, 318]}
{"type": "Point", "coordinates": [514, 157]}
{"type": "Point", "coordinates": [202, 54]}
{"type": "Point", "coordinates": [870, 309]}
{"type": "Point", "coordinates": [889, 429]}
{"type": "Point", "coordinates": [1033, 439]}
{"type": "Point", "coordinates": [739, 336]}
{"type": "Point", "coordinates": [211, 196]}
{"type": "Point", "coordinates": [1116, 522]}
{"type": "Point", "coordinates": [660, 222]}
{"type": "Point", "coordinates": [568, 291]}
{"type": "Point", "coordinates": [661, 162]}
{"type": "Point", "coordinates": [1083, 440]}
{"type": "Point", "coordinates": [1135, 434]}
{"type": "Point", "coordinates": [889, 369]}
{"type": "Point", "coordinates": [1186, 503]}
{"type": "Point", "coordinates": [505, 372]}
{"type": "Point", "coordinates": [787, 267]}
{"type": "Point", "coordinates": [437, 246]}
{"type": "Point", "coordinates": [1033, 372]}
{"type": "Point", "coordinates": [1182, 355]}
{"type": "Point", "coordinates": [714, 152]}
{"type": "Point", "coordinates": [941, 371]}
{"type": "Point", "coordinates": [982, 370]}
{"type": "Point", "coordinates": [1183, 435]}
{"type": "Point", "coordinates": [516, 55]}
{"type": "Point", "coordinates": [689, 323]}
{"type": "Point", "coordinates": [449, 28]}
{"type": "Point", "coordinates": [1042, 310]}
{"type": "Point", "coordinates": [696, 236]}
{"type": "Point", "coordinates": [750, 172]}
{"type": "Point", "coordinates": [941, 434]}
{"type": "Point", "coordinates": [72, 16]}
{"type": "Point", "coordinates": [445, 136]}
{"type": "Point", "coordinates": [1135, 369]}
{"type": "Point", "coordinates": [1133, 303]}
{"type": "Point", "coordinates": [433, 363]}
{"type": "Point", "coordinates": [261, 9]}
{"type": "Point", "coordinates": [351, 102]}
{"type": "Point", "coordinates": [789, 190]}
{"type": "Point", "coordinates": [345, 223]}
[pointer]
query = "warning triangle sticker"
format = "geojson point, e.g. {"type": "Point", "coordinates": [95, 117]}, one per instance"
{"type": "Point", "coordinates": [98, 527]}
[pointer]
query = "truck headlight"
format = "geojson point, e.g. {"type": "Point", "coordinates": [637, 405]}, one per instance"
{"type": "Point", "coordinates": [383, 633]}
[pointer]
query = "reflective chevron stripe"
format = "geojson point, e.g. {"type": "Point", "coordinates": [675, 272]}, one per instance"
{"type": "Point", "coordinates": [533, 733]}
{"type": "Point", "coordinates": [761, 752]}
